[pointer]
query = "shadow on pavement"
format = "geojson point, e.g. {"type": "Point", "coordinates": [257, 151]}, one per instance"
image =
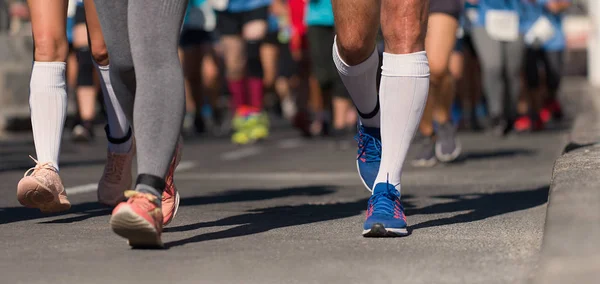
{"type": "Point", "coordinates": [266, 219]}
{"type": "Point", "coordinates": [257, 195]}
{"type": "Point", "coordinates": [93, 209]}
{"type": "Point", "coordinates": [479, 206]}
{"type": "Point", "coordinates": [494, 154]}
{"type": "Point", "coordinates": [85, 210]}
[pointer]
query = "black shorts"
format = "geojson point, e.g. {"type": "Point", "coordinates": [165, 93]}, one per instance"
{"type": "Point", "coordinates": [286, 66]}
{"type": "Point", "coordinates": [450, 7]}
{"type": "Point", "coordinates": [231, 23]}
{"type": "Point", "coordinates": [272, 38]}
{"type": "Point", "coordinates": [320, 42]}
{"type": "Point", "coordinates": [79, 15]}
{"type": "Point", "coordinates": [191, 37]}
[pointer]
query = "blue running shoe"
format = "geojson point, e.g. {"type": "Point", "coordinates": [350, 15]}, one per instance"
{"type": "Point", "coordinates": [369, 154]}
{"type": "Point", "coordinates": [385, 214]}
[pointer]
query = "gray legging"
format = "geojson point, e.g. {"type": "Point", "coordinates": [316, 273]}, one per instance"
{"type": "Point", "coordinates": [495, 58]}
{"type": "Point", "coordinates": [141, 37]}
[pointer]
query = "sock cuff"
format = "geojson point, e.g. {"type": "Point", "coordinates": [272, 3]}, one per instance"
{"type": "Point", "coordinates": [117, 141]}
{"type": "Point", "coordinates": [52, 64]}
{"type": "Point", "coordinates": [47, 76]}
{"type": "Point", "coordinates": [405, 65]}
{"type": "Point", "coordinates": [152, 181]}
{"type": "Point", "coordinates": [366, 66]}
{"type": "Point", "coordinates": [101, 67]}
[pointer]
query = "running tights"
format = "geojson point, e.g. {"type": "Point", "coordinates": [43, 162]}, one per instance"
{"type": "Point", "coordinates": [141, 37]}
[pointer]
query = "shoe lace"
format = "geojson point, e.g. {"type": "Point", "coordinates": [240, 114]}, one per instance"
{"type": "Point", "coordinates": [386, 202]}
{"type": "Point", "coordinates": [114, 168]}
{"type": "Point", "coordinates": [39, 166]}
{"type": "Point", "coordinates": [132, 194]}
{"type": "Point", "coordinates": [369, 147]}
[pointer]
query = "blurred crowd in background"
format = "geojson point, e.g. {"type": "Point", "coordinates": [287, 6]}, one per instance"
{"type": "Point", "coordinates": [251, 70]}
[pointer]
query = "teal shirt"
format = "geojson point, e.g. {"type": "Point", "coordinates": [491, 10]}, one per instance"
{"type": "Point", "coordinates": [192, 4]}
{"type": "Point", "coordinates": [237, 6]}
{"type": "Point", "coordinates": [319, 13]}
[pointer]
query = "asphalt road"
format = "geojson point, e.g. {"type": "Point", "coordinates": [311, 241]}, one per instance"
{"type": "Point", "coordinates": [291, 211]}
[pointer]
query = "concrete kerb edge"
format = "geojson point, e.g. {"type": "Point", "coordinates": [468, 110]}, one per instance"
{"type": "Point", "coordinates": [559, 245]}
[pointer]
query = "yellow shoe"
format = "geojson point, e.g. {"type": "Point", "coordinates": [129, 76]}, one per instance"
{"type": "Point", "coordinates": [238, 122]}
{"type": "Point", "coordinates": [259, 126]}
{"type": "Point", "coordinates": [259, 132]}
{"type": "Point", "coordinates": [241, 138]}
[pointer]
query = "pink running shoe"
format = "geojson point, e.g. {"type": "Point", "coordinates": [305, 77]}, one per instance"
{"type": "Point", "coordinates": [116, 177]}
{"type": "Point", "coordinates": [139, 220]}
{"type": "Point", "coordinates": [42, 188]}
{"type": "Point", "coordinates": [170, 196]}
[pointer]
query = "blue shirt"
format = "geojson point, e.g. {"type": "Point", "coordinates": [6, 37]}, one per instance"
{"type": "Point", "coordinates": [319, 13]}
{"type": "Point", "coordinates": [531, 14]}
{"type": "Point", "coordinates": [273, 24]}
{"type": "Point", "coordinates": [237, 6]}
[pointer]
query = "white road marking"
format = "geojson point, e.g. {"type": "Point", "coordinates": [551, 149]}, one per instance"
{"type": "Point", "coordinates": [290, 143]}
{"type": "Point", "coordinates": [240, 153]}
{"type": "Point", "coordinates": [185, 165]}
{"type": "Point", "coordinates": [92, 187]}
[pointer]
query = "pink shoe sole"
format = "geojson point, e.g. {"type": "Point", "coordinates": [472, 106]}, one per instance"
{"type": "Point", "coordinates": [175, 210]}
{"type": "Point", "coordinates": [138, 231]}
{"type": "Point", "coordinates": [33, 194]}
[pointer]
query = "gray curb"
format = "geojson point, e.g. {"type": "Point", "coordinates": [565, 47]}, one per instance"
{"type": "Point", "coordinates": [570, 250]}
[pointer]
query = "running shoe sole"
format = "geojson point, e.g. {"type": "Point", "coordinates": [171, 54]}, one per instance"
{"type": "Point", "coordinates": [177, 199]}
{"type": "Point", "coordinates": [139, 232]}
{"type": "Point", "coordinates": [361, 178]}
{"type": "Point", "coordinates": [379, 231]}
{"type": "Point", "coordinates": [40, 197]}
{"type": "Point", "coordinates": [449, 157]}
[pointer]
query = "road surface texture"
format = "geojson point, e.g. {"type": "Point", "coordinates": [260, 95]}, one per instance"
{"type": "Point", "coordinates": [290, 210]}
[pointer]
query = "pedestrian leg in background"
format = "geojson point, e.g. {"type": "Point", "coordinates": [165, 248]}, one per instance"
{"type": "Point", "coordinates": [320, 38]}
{"type": "Point", "coordinates": [87, 87]}
{"type": "Point", "coordinates": [513, 53]}
{"type": "Point", "coordinates": [403, 92]}
{"type": "Point", "coordinates": [492, 58]}
{"type": "Point", "coordinates": [200, 69]}
{"type": "Point", "coordinates": [242, 33]}
{"type": "Point", "coordinates": [553, 63]}
{"type": "Point", "coordinates": [158, 108]}
{"type": "Point", "coordinates": [439, 140]}
{"type": "Point", "coordinates": [42, 187]}
{"type": "Point", "coordinates": [530, 101]}
{"type": "Point", "coordinates": [117, 175]}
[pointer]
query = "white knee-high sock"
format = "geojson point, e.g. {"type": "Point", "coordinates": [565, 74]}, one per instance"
{"type": "Point", "coordinates": [361, 82]}
{"type": "Point", "coordinates": [118, 126]}
{"type": "Point", "coordinates": [48, 105]}
{"type": "Point", "coordinates": [403, 94]}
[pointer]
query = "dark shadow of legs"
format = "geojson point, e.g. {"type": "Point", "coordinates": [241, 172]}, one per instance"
{"type": "Point", "coordinates": [493, 154]}
{"type": "Point", "coordinates": [92, 209]}
{"type": "Point", "coordinates": [480, 206]}
{"type": "Point", "coordinates": [262, 220]}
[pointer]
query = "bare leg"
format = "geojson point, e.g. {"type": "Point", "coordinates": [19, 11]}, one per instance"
{"type": "Point", "coordinates": [42, 188]}
{"type": "Point", "coordinates": [356, 58]}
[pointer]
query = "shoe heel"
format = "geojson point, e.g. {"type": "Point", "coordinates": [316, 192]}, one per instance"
{"type": "Point", "coordinates": [32, 194]}
{"type": "Point", "coordinates": [138, 232]}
